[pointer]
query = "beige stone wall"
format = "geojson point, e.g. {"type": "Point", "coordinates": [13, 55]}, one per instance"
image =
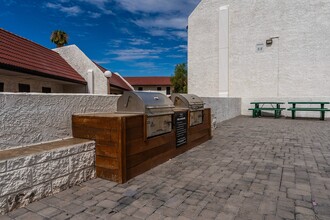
{"type": "Point", "coordinates": [24, 179]}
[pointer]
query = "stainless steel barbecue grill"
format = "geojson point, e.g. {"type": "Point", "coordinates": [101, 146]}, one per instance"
{"type": "Point", "coordinates": [191, 102]}
{"type": "Point", "coordinates": [157, 107]}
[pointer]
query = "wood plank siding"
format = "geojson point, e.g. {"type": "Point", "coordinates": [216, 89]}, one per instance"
{"type": "Point", "coordinates": [122, 149]}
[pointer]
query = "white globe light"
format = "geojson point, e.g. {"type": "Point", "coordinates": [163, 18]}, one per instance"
{"type": "Point", "coordinates": [108, 74]}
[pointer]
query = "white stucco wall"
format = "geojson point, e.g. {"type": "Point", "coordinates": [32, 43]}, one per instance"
{"type": "Point", "coordinates": [11, 84]}
{"type": "Point", "coordinates": [203, 49]}
{"type": "Point", "coordinates": [33, 118]}
{"type": "Point", "coordinates": [296, 65]}
{"type": "Point", "coordinates": [82, 64]}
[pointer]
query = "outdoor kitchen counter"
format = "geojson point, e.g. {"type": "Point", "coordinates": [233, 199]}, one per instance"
{"type": "Point", "coordinates": [123, 149]}
{"type": "Point", "coordinates": [108, 114]}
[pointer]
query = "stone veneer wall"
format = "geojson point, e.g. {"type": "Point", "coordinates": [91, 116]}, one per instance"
{"type": "Point", "coordinates": [223, 108]}
{"type": "Point", "coordinates": [32, 177]}
{"type": "Point", "coordinates": [28, 118]}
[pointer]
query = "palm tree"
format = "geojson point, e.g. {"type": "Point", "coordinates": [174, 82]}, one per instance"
{"type": "Point", "coordinates": [60, 38]}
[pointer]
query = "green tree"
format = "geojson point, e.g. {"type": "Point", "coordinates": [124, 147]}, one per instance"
{"type": "Point", "coordinates": [179, 80]}
{"type": "Point", "coordinates": [60, 38]}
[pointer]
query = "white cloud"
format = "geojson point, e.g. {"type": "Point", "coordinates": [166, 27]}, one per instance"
{"type": "Point", "coordinates": [103, 61]}
{"type": "Point", "coordinates": [182, 48]}
{"type": "Point", "coordinates": [158, 6]}
{"type": "Point", "coordinates": [134, 54]}
{"type": "Point", "coordinates": [115, 43]}
{"type": "Point", "coordinates": [149, 65]}
{"type": "Point", "coordinates": [170, 17]}
{"type": "Point", "coordinates": [137, 41]}
{"type": "Point", "coordinates": [163, 22]}
{"type": "Point", "coordinates": [125, 30]}
{"type": "Point", "coordinates": [167, 33]}
{"type": "Point", "coordinates": [181, 34]}
{"type": "Point", "coordinates": [94, 14]}
{"type": "Point", "coordinates": [70, 11]}
{"type": "Point", "coordinates": [158, 33]}
{"type": "Point", "coordinates": [132, 41]}
{"type": "Point", "coordinates": [100, 4]}
{"type": "Point", "coordinates": [175, 56]}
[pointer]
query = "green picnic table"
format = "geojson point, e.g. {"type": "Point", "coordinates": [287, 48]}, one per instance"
{"type": "Point", "coordinates": [266, 106]}
{"type": "Point", "coordinates": [321, 109]}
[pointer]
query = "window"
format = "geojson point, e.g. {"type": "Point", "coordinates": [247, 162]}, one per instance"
{"type": "Point", "coordinates": [159, 88]}
{"type": "Point", "coordinates": [46, 90]}
{"type": "Point", "coordinates": [1, 86]}
{"type": "Point", "coordinates": [140, 88]}
{"type": "Point", "coordinates": [168, 90]}
{"type": "Point", "coordinates": [23, 87]}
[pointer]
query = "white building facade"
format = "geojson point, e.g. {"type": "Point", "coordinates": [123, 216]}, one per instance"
{"type": "Point", "coordinates": [260, 50]}
{"type": "Point", "coordinates": [97, 83]}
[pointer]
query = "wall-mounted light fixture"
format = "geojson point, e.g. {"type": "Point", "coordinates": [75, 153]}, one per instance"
{"type": "Point", "coordinates": [269, 42]}
{"type": "Point", "coordinates": [108, 74]}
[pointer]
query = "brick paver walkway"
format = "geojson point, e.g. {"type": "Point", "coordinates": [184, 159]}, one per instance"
{"type": "Point", "coordinates": [259, 168]}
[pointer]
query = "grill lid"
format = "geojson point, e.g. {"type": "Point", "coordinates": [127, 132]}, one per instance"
{"type": "Point", "coordinates": [191, 101]}
{"type": "Point", "coordinates": [150, 103]}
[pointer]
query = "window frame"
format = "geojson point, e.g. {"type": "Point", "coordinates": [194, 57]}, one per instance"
{"type": "Point", "coordinates": [2, 86]}
{"type": "Point", "coordinates": [22, 87]}
{"type": "Point", "coordinates": [43, 89]}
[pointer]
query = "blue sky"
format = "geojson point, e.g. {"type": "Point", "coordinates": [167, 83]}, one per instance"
{"type": "Point", "coordinates": [132, 37]}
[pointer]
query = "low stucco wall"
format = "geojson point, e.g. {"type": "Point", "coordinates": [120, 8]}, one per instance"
{"type": "Point", "coordinates": [34, 118]}
{"type": "Point", "coordinates": [223, 108]}
{"type": "Point", "coordinates": [246, 105]}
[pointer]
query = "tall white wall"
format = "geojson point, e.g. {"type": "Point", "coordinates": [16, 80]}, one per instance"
{"type": "Point", "coordinates": [203, 49]}
{"type": "Point", "coordinates": [295, 65]}
{"type": "Point", "coordinates": [224, 51]}
{"type": "Point", "coordinates": [82, 64]}
{"type": "Point", "coordinates": [31, 118]}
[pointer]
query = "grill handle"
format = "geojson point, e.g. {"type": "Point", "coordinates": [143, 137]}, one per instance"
{"type": "Point", "coordinates": [129, 97]}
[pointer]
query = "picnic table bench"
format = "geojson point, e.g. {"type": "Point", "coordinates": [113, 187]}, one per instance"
{"type": "Point", "coordinates": [270, 106]}
{"type": "Point", "coordinates": [321, 109]}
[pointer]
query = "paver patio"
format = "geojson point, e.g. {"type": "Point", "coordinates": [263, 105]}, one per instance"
{"type": "Point", "coordinates": [253, 168]}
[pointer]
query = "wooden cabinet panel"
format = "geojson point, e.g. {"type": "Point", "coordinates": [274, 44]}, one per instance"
{"type": "Point", "coordinates": [122, 149]}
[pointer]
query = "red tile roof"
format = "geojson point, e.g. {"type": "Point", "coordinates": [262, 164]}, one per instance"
{"type": "Point", "coordinates": [116, 80]}
{"type": "Point", "coordinates": [149, 81]}
{"type": "Point", "coordinates": [22, 55]}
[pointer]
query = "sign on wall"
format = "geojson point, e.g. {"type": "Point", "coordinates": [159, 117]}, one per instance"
{"type": "Point", "coordinates": [260, 48]}
{"type": "Point", "coordinates": [180, 120]}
